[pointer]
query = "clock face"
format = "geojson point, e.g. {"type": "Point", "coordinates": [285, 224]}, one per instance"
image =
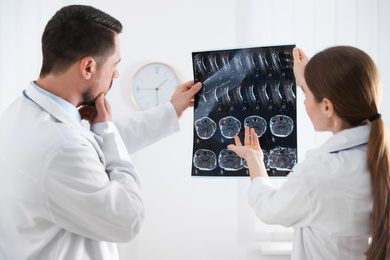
{"type": "Point", "coordinates": [154, 84]}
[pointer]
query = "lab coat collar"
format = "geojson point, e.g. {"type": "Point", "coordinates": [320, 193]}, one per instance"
{"type": "Point", "coordinates": [68, 107]}
{"type": "Point", "coordinates": [344, 140]}
{"type": "Point", "coordinates": [58, 112]}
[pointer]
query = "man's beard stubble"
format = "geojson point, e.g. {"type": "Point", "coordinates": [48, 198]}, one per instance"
{"type": "Point", "coordinates": [88, 98]}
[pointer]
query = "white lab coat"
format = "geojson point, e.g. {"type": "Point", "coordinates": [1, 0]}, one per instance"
{"type": "Point", "coordinates": [327, 199]}
{"type": "Point", "coordinates": [65, 192]}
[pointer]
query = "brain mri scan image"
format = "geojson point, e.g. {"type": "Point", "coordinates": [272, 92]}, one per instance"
{"type": "Point", "coordinates": [281, 125]}
{"type": "Point", "coordinates": [205, 160]}
{"type": "Point", "coordinates": [230, 161]}
{"type": "Point", "coordinates": [256, 122]}
{"type": "Point", "coordinates": [205, 127]}
{"type": "Point", "coordinates": [245, 87]}
{"type": "Point", "coordinates": [229, 126]}
{"type": "Point", "coordinates": [282, 158]}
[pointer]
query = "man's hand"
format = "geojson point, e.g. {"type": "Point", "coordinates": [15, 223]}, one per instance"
{"type": "Point", "coordinates": [98, 114]}
{"type": "Point", "coordinates": [300, 61]}
{"type": "Point", "coordinates": [183, 97]}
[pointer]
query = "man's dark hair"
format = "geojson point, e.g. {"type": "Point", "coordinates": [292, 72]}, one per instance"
{"type": "Point", "coordinates": [75, 32]}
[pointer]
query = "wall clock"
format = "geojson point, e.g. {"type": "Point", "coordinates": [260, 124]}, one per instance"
{"type": "Point", "coordinates": [154, 84]}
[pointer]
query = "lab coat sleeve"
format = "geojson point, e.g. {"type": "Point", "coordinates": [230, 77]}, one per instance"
{"type": "Point", "coordinates": [115, 153]}
{"type": "Point", "coordinates": [144, 128]}
{"type": "Point", "coordinates": [82, 199]}
{"type": "Point", "coordinates": [287, 205]}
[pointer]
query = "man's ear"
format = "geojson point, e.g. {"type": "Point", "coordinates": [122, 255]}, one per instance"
{"type": "Point", "coordinates": [327, 107]}
{"type": "Point", "coordinates": [87, 67]}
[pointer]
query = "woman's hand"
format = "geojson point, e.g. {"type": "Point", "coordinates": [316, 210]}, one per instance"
{"type": "Point", "coordinates": [251, 152]}
{"type": "Point", "coordinates": [300, 61]}
{"type": "Point", "coordinates": [251, 142]}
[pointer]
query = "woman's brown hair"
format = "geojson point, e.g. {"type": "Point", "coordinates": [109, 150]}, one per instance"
{"type": "Point", "coordinates": [349, 78]}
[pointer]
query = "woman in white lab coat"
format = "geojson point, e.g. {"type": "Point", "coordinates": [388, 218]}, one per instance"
{"type": "Point", "coordinates": [337, 199]}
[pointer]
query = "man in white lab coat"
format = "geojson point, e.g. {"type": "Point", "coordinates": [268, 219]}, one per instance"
{"type": "Point", "coordinates": [68, 192]}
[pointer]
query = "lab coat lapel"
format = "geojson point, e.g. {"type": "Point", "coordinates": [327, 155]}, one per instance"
{"type": "Point", "coordinates": [61, 115]}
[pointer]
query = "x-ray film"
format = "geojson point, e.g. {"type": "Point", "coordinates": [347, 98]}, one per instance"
{"type": "Point", "coordinates": [252, 87]}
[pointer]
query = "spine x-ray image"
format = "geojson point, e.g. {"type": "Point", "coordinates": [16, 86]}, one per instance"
{"type": "Point", "coordinates": [252, 87]}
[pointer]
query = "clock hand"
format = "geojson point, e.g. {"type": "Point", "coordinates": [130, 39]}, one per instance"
{"type": "Point", "coordinates": [161, 84]}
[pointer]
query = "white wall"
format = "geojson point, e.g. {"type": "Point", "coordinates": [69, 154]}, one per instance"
{"type": "Point", "coordinates": [197, 218]}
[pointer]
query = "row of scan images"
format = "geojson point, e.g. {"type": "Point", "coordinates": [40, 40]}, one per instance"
{"type": "Point", "coordinates": [250, 94]}
{"type": "Point", "coordinates": [279, 158]}
{"type": "Point", "coordinates": [265, 62]}
{"type": "Point", "coordinates": [280, 126]}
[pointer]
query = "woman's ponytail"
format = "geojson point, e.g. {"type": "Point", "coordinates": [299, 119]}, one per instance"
{"type": "Point", "coordinates": [378, 155]}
